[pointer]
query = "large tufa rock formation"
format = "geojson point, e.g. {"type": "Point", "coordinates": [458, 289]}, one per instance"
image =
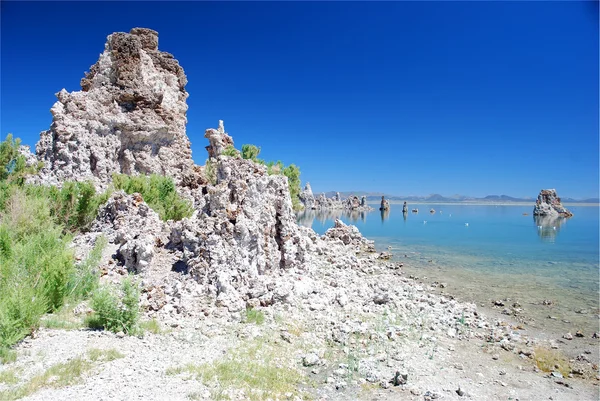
{"type": "Point", "coordinates": [548, 204]}
{"type": "Point", "coordinates": [129, 117]}
{"type": "Point", "coordinates": [244, 231]}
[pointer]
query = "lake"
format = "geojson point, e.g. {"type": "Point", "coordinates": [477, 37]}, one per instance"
{"type": "Point", "coordinates": [489, 252]}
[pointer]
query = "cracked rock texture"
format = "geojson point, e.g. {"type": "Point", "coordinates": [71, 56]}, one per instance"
{"type": "Point", "coordinates": [129, 117]}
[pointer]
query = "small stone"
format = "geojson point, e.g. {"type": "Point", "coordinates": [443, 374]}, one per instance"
{"type": "Point", "coordinates": [495, 357]}
{"type": "Point", "coordinates": [579, 334]}
{"type": "Point", "coordinates": [399, 379]}
{"type": "Point", "coordinates": [557, 374]}
{"type": "Point", "coordinates": [460, 392]}
{"type": "Point", "coordinates": [310, 359]}
{"type": "Point", "coordinates": [568, 336]}
{"type": "Point", "coordinates": [384, 384]}
{"type": "Point", "coordinates": [285, 336]}
{"type": "Point", "coordinates": [120, 334]}
{"type": "Point", "coordinates": [502, 372]}
{"type": "Point", "coordinates": [341, 385]}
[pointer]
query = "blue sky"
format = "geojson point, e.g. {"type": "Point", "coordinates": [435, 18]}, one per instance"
{"type": "Point", "coordinates": [407, 98]}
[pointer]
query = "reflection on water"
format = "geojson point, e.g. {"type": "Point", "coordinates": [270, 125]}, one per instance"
{"type": "Point", "coordinates": [385, 214]}
{"type": "Point", "coordinates": [307, 217]}
{"type": "Point", "coordinates": [548, 227]}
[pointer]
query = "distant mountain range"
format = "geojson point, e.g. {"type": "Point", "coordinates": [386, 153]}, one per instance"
{"type": "Point", "coordinates": [376, 196]}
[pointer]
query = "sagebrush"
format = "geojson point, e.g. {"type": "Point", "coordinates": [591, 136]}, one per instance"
{"type": "Point", "coordinates": [158, 192]}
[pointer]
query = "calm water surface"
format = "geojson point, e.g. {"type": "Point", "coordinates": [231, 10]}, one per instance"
{"type": "Point", "coordinates": [490, 251]}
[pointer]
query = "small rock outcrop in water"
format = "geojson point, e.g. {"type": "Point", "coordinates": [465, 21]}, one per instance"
{"type": "Point", "coordinates": [307, 198]}
{"type": "Point", "coordinates": [129, 116]}
{"type": "Point", "coordinates": [352, 203]}
{"type": "Point", "coordinates": [385, 204]}
{"type": "Point", "coordinates": [548, 204]}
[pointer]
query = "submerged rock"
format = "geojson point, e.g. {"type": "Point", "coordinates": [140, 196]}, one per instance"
{"type": "Point", "coordinates": [129, 117]}
{"type": "Point", "coordinates": [548, 204]}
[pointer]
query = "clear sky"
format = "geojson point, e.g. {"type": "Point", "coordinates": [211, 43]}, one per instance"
{"type": "Point", "coordinates": [406, 98]}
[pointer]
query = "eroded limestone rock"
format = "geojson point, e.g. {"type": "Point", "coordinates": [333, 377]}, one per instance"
{"type": "Point", "coordinates": [128, 221]}
{"type": "Point", "coordinates": [129, 117]}
{"type": "Point", "coordinates": [548, 204]}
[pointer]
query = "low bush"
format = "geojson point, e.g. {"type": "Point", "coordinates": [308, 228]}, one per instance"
{"type": "Point", "coordinates": [158, 192]}
{"type": "Point", "coordinates": [254, 316]}
{"type": "Point", "coordinates": [230, 151]}
{"type": "Point", "coordinates": [116, 312]}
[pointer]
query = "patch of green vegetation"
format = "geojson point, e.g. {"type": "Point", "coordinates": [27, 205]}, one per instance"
{"type": "Point", "coordinates": [59, 375]}
{"type": "Point", "coordinates": [152, 326]}
{"type": "Point", "coordinates": [254, 316]}
{"type": "Point", "coordinates": [7, 355]}
{"type": "Point", "coordinates": [158, 192]}
{"type": "Point", "coordinates": [13, 168]}
{"type": "Point", "coordinates": [36, 265]}
{"type": "Point", "coordinates": [210, 172]}
{"type": "Point", "coordinates": [257, 370]}
{"type": "Point", "coordinates": [74, 206]}
{"type": "Point", "coordinates": [9, 376]}
{"type": "Point", "coordinates": [230, 151]}
{"type": "Point", "coordinates": [86, 277]}
{"type": "Point", "coordinates": [116, 311]}
{"type": "Point", "coordinates": [62, 319]}
{"type": "Point", "coordinates": [104, 355]}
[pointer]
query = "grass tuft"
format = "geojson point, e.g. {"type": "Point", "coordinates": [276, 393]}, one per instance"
{"type": "Point", "coordinates": [254, 316]}
{"type": "Point", "coordinates": [9, 376]}
{"type": "Point", "coordinates": [152, 326]}
{"type": "Point", "coordinates": [7, 355]}
{"type": "Point", "coordinates": [257, 370]}
{"type": "Point", "coordinates": [104, 355]}
{"type": "Point", "coordinates": [59, 375]}
{"type": "Point", "coordinates": [548, 360]}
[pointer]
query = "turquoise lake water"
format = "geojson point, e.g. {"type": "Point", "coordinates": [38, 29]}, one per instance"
{"type": "Point", "coordinates": [500, 253]}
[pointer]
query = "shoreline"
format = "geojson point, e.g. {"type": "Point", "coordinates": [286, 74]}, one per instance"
{"type": "Point", "coordinates": [531, 204]}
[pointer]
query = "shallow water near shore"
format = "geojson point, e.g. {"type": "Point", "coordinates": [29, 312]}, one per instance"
{"type": "Point", "coordinates": [492, 252]}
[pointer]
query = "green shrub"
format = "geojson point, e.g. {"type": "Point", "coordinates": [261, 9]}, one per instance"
{"type": "Point", "coordinates": [230, 151]}
{"type": "Point", "coordinates": [12, 163]}
{"type": "Point", "coordinates": [251, 152]}
{"type": "Point", "coordinates": [7, 355]}
{"type": "Point", "coordinates": [116, 312]}
{"type": "Point", "coordinates": [254, 316]}
{"type": "Point", "coordinates": [158, 192]}
{"type": "Point", "coordinates": [85, 280]}
{"type": "Point", "coordinates": [292, 172]}
{"type": "Point", "coordinates": [74, 206]}
{"type": "Point", "coordinates": [36, 265]}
